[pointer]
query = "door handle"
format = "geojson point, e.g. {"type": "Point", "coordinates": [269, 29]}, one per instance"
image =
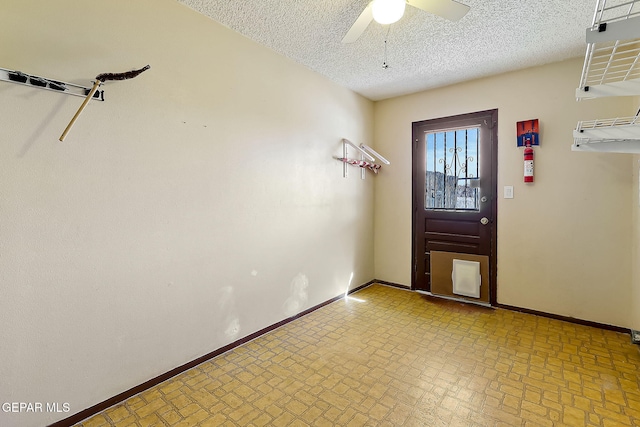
{"type": "Point", "coordinates": [484, 220]}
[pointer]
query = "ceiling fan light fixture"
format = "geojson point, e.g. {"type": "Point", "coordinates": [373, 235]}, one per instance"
{"type": "Point", "coordinates": [387, 11]}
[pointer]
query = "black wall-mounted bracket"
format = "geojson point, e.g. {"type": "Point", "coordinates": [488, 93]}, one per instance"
{"type": "Point", "coordinates": [19, 77]}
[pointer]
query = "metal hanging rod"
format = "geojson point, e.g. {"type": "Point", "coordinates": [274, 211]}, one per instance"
{"type": "Point", "coordinates": [48, 84]}
{"type": "Point", "coordinates": [362, 151]}
{"type": "Point", "coordinates": [370, 150]}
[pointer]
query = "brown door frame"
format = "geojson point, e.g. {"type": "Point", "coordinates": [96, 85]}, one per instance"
{"type": "Point", "coordinates": [418, 203]}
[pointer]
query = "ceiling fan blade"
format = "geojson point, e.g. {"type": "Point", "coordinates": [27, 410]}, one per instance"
{"type": "Point", "coordinates": [447, 9]}
{"type": "Point", "coordinates": [359, 26]}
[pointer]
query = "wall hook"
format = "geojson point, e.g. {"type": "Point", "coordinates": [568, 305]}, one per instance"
{"type": "Point", "coordinates": [365, 152]}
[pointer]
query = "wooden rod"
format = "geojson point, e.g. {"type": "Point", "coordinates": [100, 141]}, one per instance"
{"type": "Point", "coordinates": [82, 107]}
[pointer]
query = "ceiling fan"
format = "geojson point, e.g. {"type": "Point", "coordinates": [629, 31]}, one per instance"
{"type": "Point", "coordinates": [390, 11]}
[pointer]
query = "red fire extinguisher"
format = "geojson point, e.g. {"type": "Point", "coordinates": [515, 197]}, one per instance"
{"type": "Point", "coordinates": [528, 163]}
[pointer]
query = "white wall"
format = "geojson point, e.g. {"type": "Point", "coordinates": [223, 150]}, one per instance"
{"type": "Point", "coordinates": [198, 204]}
{"type": "Point", "coordinates": [563, 242]}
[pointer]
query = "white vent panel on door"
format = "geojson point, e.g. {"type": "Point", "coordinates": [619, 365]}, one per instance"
{"type": "Point", "coordinates": [466, 278]}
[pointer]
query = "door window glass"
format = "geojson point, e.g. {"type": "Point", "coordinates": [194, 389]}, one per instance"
{"type": "Point", "coordinates": [452, 179]}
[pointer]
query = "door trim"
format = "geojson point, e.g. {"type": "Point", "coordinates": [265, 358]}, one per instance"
{"type": "Point", "coordinates": [416, 203]}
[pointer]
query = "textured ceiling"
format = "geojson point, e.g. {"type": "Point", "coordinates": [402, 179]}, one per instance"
{"type": "Point", "coordinates": [423, 51]}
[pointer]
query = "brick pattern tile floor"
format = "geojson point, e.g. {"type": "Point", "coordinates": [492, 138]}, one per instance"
{"type": "Point", "coordinates": [389, 357]}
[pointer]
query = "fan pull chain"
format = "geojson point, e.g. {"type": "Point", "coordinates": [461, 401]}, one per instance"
{"type": "Point", "coordinates": [384, 61]}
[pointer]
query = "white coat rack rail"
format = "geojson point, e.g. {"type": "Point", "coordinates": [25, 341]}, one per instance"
{"type": "Point", "coordinates": [365, 152]}
{"type": "Point", "coordinates": [38, 82]}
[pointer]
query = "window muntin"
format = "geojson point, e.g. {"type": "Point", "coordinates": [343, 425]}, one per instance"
{"type": "Point", "coordinates": [452, 172]}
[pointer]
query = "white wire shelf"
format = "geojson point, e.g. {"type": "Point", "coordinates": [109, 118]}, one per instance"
{"type": "Point", "coordinates": [619, 135]}
{"type": "Point", "coordinates": [607, 124]}
{"type": "Point", "coordinates": [612, 60]}
{"type": "Point", "coordinates": [607, 146]}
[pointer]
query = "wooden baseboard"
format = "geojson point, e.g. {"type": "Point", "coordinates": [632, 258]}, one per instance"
{"type": "Point", "coordinates": [564, 318]}
{"type": "Point", "coordinates": [534, 312]}
{"type": "Point", "coordinates": [394, 285]}
{"type": "Point", "coordinates": [95, 409]}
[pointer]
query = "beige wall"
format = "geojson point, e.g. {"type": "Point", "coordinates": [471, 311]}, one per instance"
{"type": "Point", "coordinates": [635, 254]}
{"type": "Point", "coordinates": [198, 204]}
{"type": "Point", "coordinates": [563, 242]}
